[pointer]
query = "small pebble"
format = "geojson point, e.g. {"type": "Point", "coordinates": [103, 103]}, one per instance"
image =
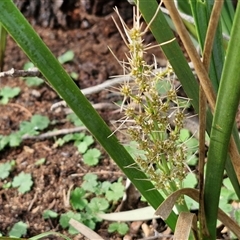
{"type": "Point", "coordinates": [35, 93]}
{"type": "Point", "coordinates": [127, 237]}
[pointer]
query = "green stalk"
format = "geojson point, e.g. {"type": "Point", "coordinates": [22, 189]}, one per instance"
{"type": "Point", "coordinates": [226, 108]}
{"type": "Point", "coordinates": [21, 31]}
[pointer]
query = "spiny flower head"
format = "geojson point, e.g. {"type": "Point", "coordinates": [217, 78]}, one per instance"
{"type": "Point", "coordinates": [149, 109]}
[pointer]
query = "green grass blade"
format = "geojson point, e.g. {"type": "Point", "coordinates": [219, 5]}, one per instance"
{"type": "Point", "coordinates": [3, 38]}
{"type": "Point", "coordinates": [227, 16]}
{"type": "Point", "coordinates": [226, 107]}
{"type": "Point", "coordinates": [21, 31]}
{"type": "Point", "coordinates": [162, 33]}
{"type": "Point", "coordinates": [47, 234]}
{"type": "Point", "coordinates": [201, 13]}
{"type": "Point", "coordinates": [184, 7]}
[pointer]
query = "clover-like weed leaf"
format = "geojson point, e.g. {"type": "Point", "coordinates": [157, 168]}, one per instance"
{"type": "Point", "coordinates": [163, 86]}
{"type": "Point", "coordinates": [184, 135]}
{"type": "Point", "coordinates": [49, 214]}
{"type": "Point", "coordinates": [27, 128]}
{"type": "Point", "coordinates": [91, 157]}
{"type": "Point", "coordinates": [228, 191]}
{"type": "Point", "coordinates": [72, 117]}
{"type": "Point", "coordinates": [37, 122]}
{"type": "Point", "coordinates": [237, 215]}
{"type": "Point", "coordinates": [105, 186]}
{"type": "Point", "coordinates": [66, 57]}
{"type": "Point", "coordinates": [90, 223]}
{"type": "Point", "coordinates": [40, 161]}
{"type": "Point", "coordinates": [121, 228]}
{"type": "Point", "coordinates": [4, 140]}
{"type": "Point", "coordinates": [40, 122]}
{"type": "Point", "coordinates": [32, 81]}
{"type": "Point", "coordinates": [15, 139]}
{"type": "Point", "coordinates": [65, 218]}
{"type": "Point", "coordinates": [88, 140]}
{"type": "Point", "coordinates": [190, 182]}
{"type": "Point", "coordinates": [90, 182]}
{"type": "Point", "coordinates": [69, 137]}
{"type": "Point", "coordinates": [7, 92]}
{"type": "Point", "coordinates": [18, 230]}
{"type": "Point", "coordinates": [5, 169]}
{"type": "Point", "coordinates": [133, 149]}
{"type": "Point", "coordinates": [84, 143]}
{"type": "Point", "coordinates": [77, 199]}
{"type": "Point", "coordinates": [82, 147]}
{"type": "Point", "coordinates": [78, 136]}
{"type": "Point", "coordinates": [98, 204]}
{"type": "Point", "coordinates": [74, 75]}
{"type": "Point", "coordinates": [23, 181]}
{"type": "Point", "coordinates": [61, 141]}
{"type": "Point", "coordinates": [115, 192]}
{"type": "Point", "coordinates": [7, 185]}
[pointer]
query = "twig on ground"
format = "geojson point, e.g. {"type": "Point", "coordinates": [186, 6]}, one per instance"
{"type": "Point", "coordinates": [94, 89]}
{"type": "Point", "coordinates": [66, 196]}
{"type": "Point", "coordinates": [158, 236]}
{"type": "Point", "coordinates": [69, 130]}
{"type": "Point", "coordinates": [97, 173]}
{"type": "Point", "coordinates": [33, 72]}
{"type": "Point", "coordinates": [55, 133]}
{"type": "Point", "coordinates": [32, 202]}
{"type": "Point", "coordinates": [101, 105]}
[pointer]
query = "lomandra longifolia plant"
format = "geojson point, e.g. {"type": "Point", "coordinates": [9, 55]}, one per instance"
{"type": "Point", "coordinates": [154, 114]}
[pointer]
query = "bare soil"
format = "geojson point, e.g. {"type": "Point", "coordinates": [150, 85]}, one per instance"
{"type": "Point", "coordinates": [86, 28]}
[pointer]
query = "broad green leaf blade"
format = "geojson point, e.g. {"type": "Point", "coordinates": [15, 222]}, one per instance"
{"type": "Point", "coordinates": [227, 16]}
{"type": "Point", "coordinates": [201, 12]}
{"type": "Point", "coordinates": [226, 107]}
{"type": "Point", "coordinates": [21, 31]}
{"type": "Point", "coordinates": [3, 38]}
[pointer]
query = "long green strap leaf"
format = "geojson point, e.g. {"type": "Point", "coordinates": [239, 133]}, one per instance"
{"type": "Point", "coordinates": [201, 13]}
{"type": "Point", "coordinates": [3, 37]}
{"type": "Point", "coordinates": [226, 107]}
{"type": "Point", "coordinates": [21, 31]}
{"type": "Point", "coordinates": [162, 33]}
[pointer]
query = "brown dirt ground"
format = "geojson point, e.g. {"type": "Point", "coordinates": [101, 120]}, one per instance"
{"type": "Point", "coordinates": [94, 63]}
